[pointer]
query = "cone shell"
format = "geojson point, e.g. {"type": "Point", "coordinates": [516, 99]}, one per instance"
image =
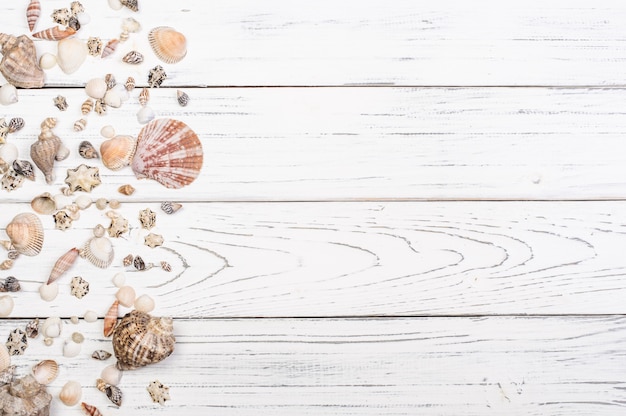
{"type": "Point", "coordinates": [140, 339]}
{"type": "Point", "coordinates": [110, 319]}
{"type": "Point", "coordinates": [63, 264]}
{"type": "Point", "coordinates": [90, 410]}
{"type": "Point", "coordinates": [117, 152]}
{"type": "Point", "coordinates": [33, 11]}
{"type": "Point", "coordinates": [168, 45]}
{"type": "Point", "coordinates": [26, 233]}
{"type": "Point", "coordinates": [54, 33]}
{"type": "Point", "coordinates": [45, 371]}
{"type": "Point", "coordinates": [169, 152]}
{"type": "Point", "coordinates": [19, 62]}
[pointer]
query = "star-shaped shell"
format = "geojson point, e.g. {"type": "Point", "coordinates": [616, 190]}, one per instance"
{"type": "Point", "coordinates": [79, 287]}
{"type": "Point", "coordinates": [147, 218]}
{"type": "Point", "coordinates": [159, 392]}
{"type": "Point", "coordinates": [153, 240]}
{"type": "Point", "coordinates": [83, 178]}
{"type": "Point", "coordinates": [17, 342]}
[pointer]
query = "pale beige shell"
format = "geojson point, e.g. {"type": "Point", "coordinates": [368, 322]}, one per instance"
{"type": "Point", "coordinates": [99, 252]}
{"type": "Point", "coordinates": [168, 45]}
{"type": "Point", "coordinates": [168, 151]}
{"type": "Point", "coordinates": [140, 339]}
{"type": "Point", "coordinates": [19, 63]}
{"type": "Point", "coordinates": [117, 152]}
{"type": "Point", "coordinates": [83, 178]}
{"type": "Point", "coordinates": [127, 189]}
{"type": "Point", "coordinates": [45, 371]}
{"type": "Point", "coordinates": [43, 204]}
{"type": "Point", "coordinates": [54, 33]}
{"type": "Point", "coordinates": [26, 233]}
{"type": "Point", "coordinates": [25, 396]}
{"type": "Point", "coordinates": [71, 393]}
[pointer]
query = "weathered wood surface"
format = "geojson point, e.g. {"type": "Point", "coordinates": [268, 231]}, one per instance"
{"type": "Point", "coordinates": [470, 366]}
{"type": "Point", "coordinates": [303, 144]}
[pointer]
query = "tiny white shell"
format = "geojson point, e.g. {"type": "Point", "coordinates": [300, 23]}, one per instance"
{"type": "Point", "coordinates": [47, 61]}
{"type": "Point", "coordinates": [145, 115]}
{"type": "Point", "coordinates": [115, 5]}
{"type": "Point", "coordinates": [107, 132]}
{"type": "Point", "coordinates": [49, 292]}
{"type": "Point", "coordinates": [8, 152]}
{"type": "Point", "coordinates": [119, 279]}
{"type": "Point", "coordinates": [71, 393]}
{"type": "Point", "coordinates": [126, 296]}
{"type": "Point", "coordinates": [144, 303]}
{"type": "Point", "coordinates": [6, 305]}
{"type": "Point", "coordinates": [52, 326]}
{"type": "Point", "coordinates": [90, 316]}
{"type": "Point", "coordinates": [83, 201]}
{"type": "Point", "coordinates": [111, 375]}
{"type": "Point", "coordinates": [71, 348]}
{"type": "Point", "coordinates": [96, 88]}
{"type": "Point", "coordinates": [8, 94]}
{"type": "Point", "coordinates": [112, 99]}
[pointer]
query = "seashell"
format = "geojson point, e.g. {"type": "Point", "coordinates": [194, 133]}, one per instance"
{"type": "Point", "coordinates": [16, 124]}
{"type": "Point", "coordinates": [153, 240]}
{"type": "Point", "coordinates": [19, 62]}
{"type": "Point", "coordinates": [71, 393]}
{"type": "Point", "coordinates": [63, 264]}
{"type": "Point", "coordinates": [159, 393]}
{"type": "Point", "coordinates": [144, 96]}
{"type": "Point", "coordinates": [100, 107]}
{"type": "Point", "coordinates": [73, 23]}
{"type": "Point", "coordinates": [25, 396]}
{"type": "Point", "coordinates": [90, 410]}
{"type": "Point", "coordinates": [113, 99]}
{"type": "Point", "coordinates": [94, 46]}
{"type": "Point", "coordinates": [8, 95]}
{"type": "Point", "coordinates": [6, 264]}
{"type": "Point", "coordinates": [167, 44]}
{"type": "Point", "coordinates": [118, 226]}
{"type": "Point", "coordinates": [99, 251]}
{"type": "Point", "coordinates": [61, 16]}
{"type": "Point", "coordinates": [5, 359]}
{"type": "Point", "coordinates": [109, 79]}
{"type": "Point", "coordinates": [12, 180]}
{"type": "Point", "coordinates": [139, 264]}
{"type": "Point", "coordinates": [10, 284]}
{"type": "Point", "coordinates": [83, 178]}
{"type": "Point", "coordinates": [128, 260]}
{"type": "Point", "coordinates": [166, 266]}
{"type": "Point", "coordinates": [79, 287]}
{"type": "Point", "coordinates": [101, 355]}
{"type": "Point", "coordinates": [17, 342]}
{"type": "Point", "coordinates": [24, 168]}
{"type": "Point", "coordinates": [71, 348]}
{"type": "Point", "coordinates": [78, 338]}
{"type": "Point", "coordinates": [54, 33]}
{"type": "Point", "coordinates": [52, 327]}
{"type": "Point", "coordinates": [45, 371]}
{"type": "Point", "coordinates": [47, 60]}
{"type": "Point", "coordinates": [130, 4]}
{"type": "Point", "coordinates": [60, 102]}
{"type": "Point", "coordinates": [87, 106]}
{"type": "Point", "coordinates": [33, 11]}
{"type": "Point", "coordinates": [110, 319]}
{"type": "Point", "coordinates": [126, 189]}
{"type": "Point", "coordinates": [4, 131]}
{"type": "Point", "coordinates": [110, 47]}
{"type": "Point", "coordinates": [96, 88]}
{"type": "Point", "coordinates": [7, 374]}
{"type": "Point", "coordinates": [133, 58]}
{"type": "Point", "coordinates": [6, 306]}
{"type": "Point", "coordinates": [90, 316]}
{"type": "Point", "coordinates": [86, 150]}
{"type": "Point", "coordinates": [144, 303]}
{"type": "Point", "coordinates": [126, 296]}
{"type": "Point", "coordinates": [111, 374]}
{"type": "Point", "coordinates": [182, 97]}
{"type": "Point", "coordinates": [140, 339]}
{"type": "Point", "coordinates": [112, 392]}
{"type": "Point", "coordinates": [169, 152]}
{"type": "Point", "coordinates": [80, 124]}
{"type": "Point", "coordinates": [32, 328]}
{"type": "Point", "coordinates": [129, 84]}
{"type": "Point", "coordinates": [76, 8]}
{"type": "Point", "coordinates": [101, 203]}
{"type": "Point", "coordinates": [26, 233]}
{"type": "Point", "coordinates": [48, 123]}
{"type": "Point", "coordinates": [119, 279]}
{"type": "Point", "coordinates": [145, 115]}
{"type": "Point", "coordinates": [49, 292]}
{"type": "Point", "coordinates": [147, 218]}
{"type": "Point", "coordinates": [107, 132]}
{"type": "Point", "coordinates": [44, 151]}
{"type": "Point", "coordinates": [156, 76]}
{"type": "Point", "coordinates": [83, 202]}
{"type": "Point", "coordinates": [117, 152]}
{"type": "Point", "coordinates": [124, 36]}
{"type": "Point", "coordinates": [62, 220]}
{"type": "Point", "coordinates": [62, 153]}
{"type": "Point", "coordinates": [71, 53]}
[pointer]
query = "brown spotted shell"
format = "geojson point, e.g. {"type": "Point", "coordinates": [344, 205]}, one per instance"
{"type": "Point", "coordinates": [26, 233]}
{"type": "Point", "coordinates": [168, 151]}
{"type": "Point", "coordinates": [140, 339]}
{"type": "Point", "coordinates": [168, 45]}
{"type": "Point", "coordinates": [19, 63]}
{"type": "Point", "coordinates": [117, 152]}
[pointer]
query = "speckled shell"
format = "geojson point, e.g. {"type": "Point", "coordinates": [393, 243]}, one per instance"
{"type": "Point", "coordinates": [99, 251]}
{"type": "Point", "coordinates": [167, 44]}
{"type": "Point", "coordinates": [118, 151]}
{"type": "Point", "coordinates": [44, 151]}
{"type": "Point", "coordinates": [169, 152]}
{"type": "Point", "coordinates": [19, 62]}
{"type": "Point", "coordinates": [26, 233]}
{"type": "Point", "coordinates": [33, 11]}
{"type": "Point", "coordinates": [24, 168]}
{"type": "Point", "coordinates": [140, 339]}
{"type": "Point", "coordinates": [133, 58]}
{"type": "Point", "coordinates": [130, 4]}
{"type": "Point", "coordinates": [63, 264]}
{"type": "Point", "coordinates": [25, 396]}
{"type": "Point", "coordinates": [54, 33]}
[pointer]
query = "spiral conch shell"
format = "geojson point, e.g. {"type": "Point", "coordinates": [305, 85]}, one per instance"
{"type": "Point", "coordinates": [26, 233]}
{"type": "Point", "coordinates": [47, 149]}
{"type": "Point", "coordinates": [19, 63]}
{"type": "Point", "coordinates": [140, 339]}
{"type": "Point", "coordinates": [168, 151]}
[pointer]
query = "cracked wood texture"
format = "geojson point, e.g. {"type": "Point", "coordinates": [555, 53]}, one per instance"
{"type": "Point", "coordinates": [404, 208]}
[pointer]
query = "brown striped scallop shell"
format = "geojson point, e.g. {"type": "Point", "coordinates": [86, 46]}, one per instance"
{"type": "Point", "coordinates": [168, 151]}
{"type": "Point", "coordinates": [26, 233]}
{"type": "Point", "coordinates": [19, 63]}
{"type": "Point", "coordinates": [54, 33]}
{"type": "Point", "coordinates": [33, 11]}
{"type": "Point", "coordinates": [117, 152]}
{"type": "Point", "coordinates": [168, 45]}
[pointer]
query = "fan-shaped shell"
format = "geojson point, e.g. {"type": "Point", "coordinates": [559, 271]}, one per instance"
{"type": "Point", "coordinates": [168, 151]}
{"type": "Point", "coordinates": [45, 371]}
{"type": "Point", "coordinates": [19, 62]}
{"type": "Point", "coordinates": [140, 339]}
{"type": "Point", "coordinates": [117, 152]}
{"type": "Point", "coordinates": [26, 233]}
{"type": "Point", "coordinates": [168, 45]}
{"type": "Point", "coordinates": [99, 251]}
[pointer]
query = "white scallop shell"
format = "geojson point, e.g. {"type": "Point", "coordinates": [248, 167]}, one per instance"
{"type": "Point", "coordinates": [45, 371]}
{"type": "Point", "coordinates": [99, 251]}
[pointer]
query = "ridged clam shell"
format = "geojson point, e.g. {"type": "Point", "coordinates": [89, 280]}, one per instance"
{"type": "Point", "coordinates": [140, 339]}
{"type": "Point", "coordinates": [110, 47]}
{"type": "Point", "coordinates": [99, 251]}
{"type": "Point", "coordinates": [26, 233]}
{"type": "Point", "coordinates": [24, 168]}
{"type": "Point", "coordinates": [117, 152]}
{"type": "Point", "coordinates": [33, 11]}
{"type": "Point", "coordinates": [43, 204]}
{"type": "Point", "coordinates": [133, 58]}
{"type": "Point", "coordinates": [54, 33]}
{"type": "Point", "coordinates": [19, 62]}
{"type": "Point", "coordinates": [168, 45]}
{"type": "Point", "coordinates": [45, 371]}
{"type": "Point", "coordinates": [110, 319]}
{"type": "Point", "coordinates": [168, 151]}
{"type": "Point", "coordinates": [43, 153]}
{"type": "Point", "coordinates": [63, 264]}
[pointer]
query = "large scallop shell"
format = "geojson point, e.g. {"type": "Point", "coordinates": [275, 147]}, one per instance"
{"type": "Point", "coordinates": [168, 45]}
{"type": "Point", "coordinates": [26, 233]}
{"type": "Point", "coordinates": [19, 62]}
{"type": "Point", "coordinates": [99, 251]}
{"type": "Point", "coordinates": [32, 13]}
{"type": "Point", "coordinates": [117, 152]}
{"type": "Point", "coordinates": [169, 152]}
{"type": "Point", "coordinates": [54, 33]}
{"type": "Point", "coordinates": [140, 339]}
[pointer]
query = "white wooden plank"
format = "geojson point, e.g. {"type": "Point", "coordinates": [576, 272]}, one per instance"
{"type": "Point", "coordinates": [349, 259]}
{"type": "Point", "coordinates": [469, 366]}
{"type": "Point", "coordinates": [365, 143]}
{"type": "Point", "coordinates": [282, 42]}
